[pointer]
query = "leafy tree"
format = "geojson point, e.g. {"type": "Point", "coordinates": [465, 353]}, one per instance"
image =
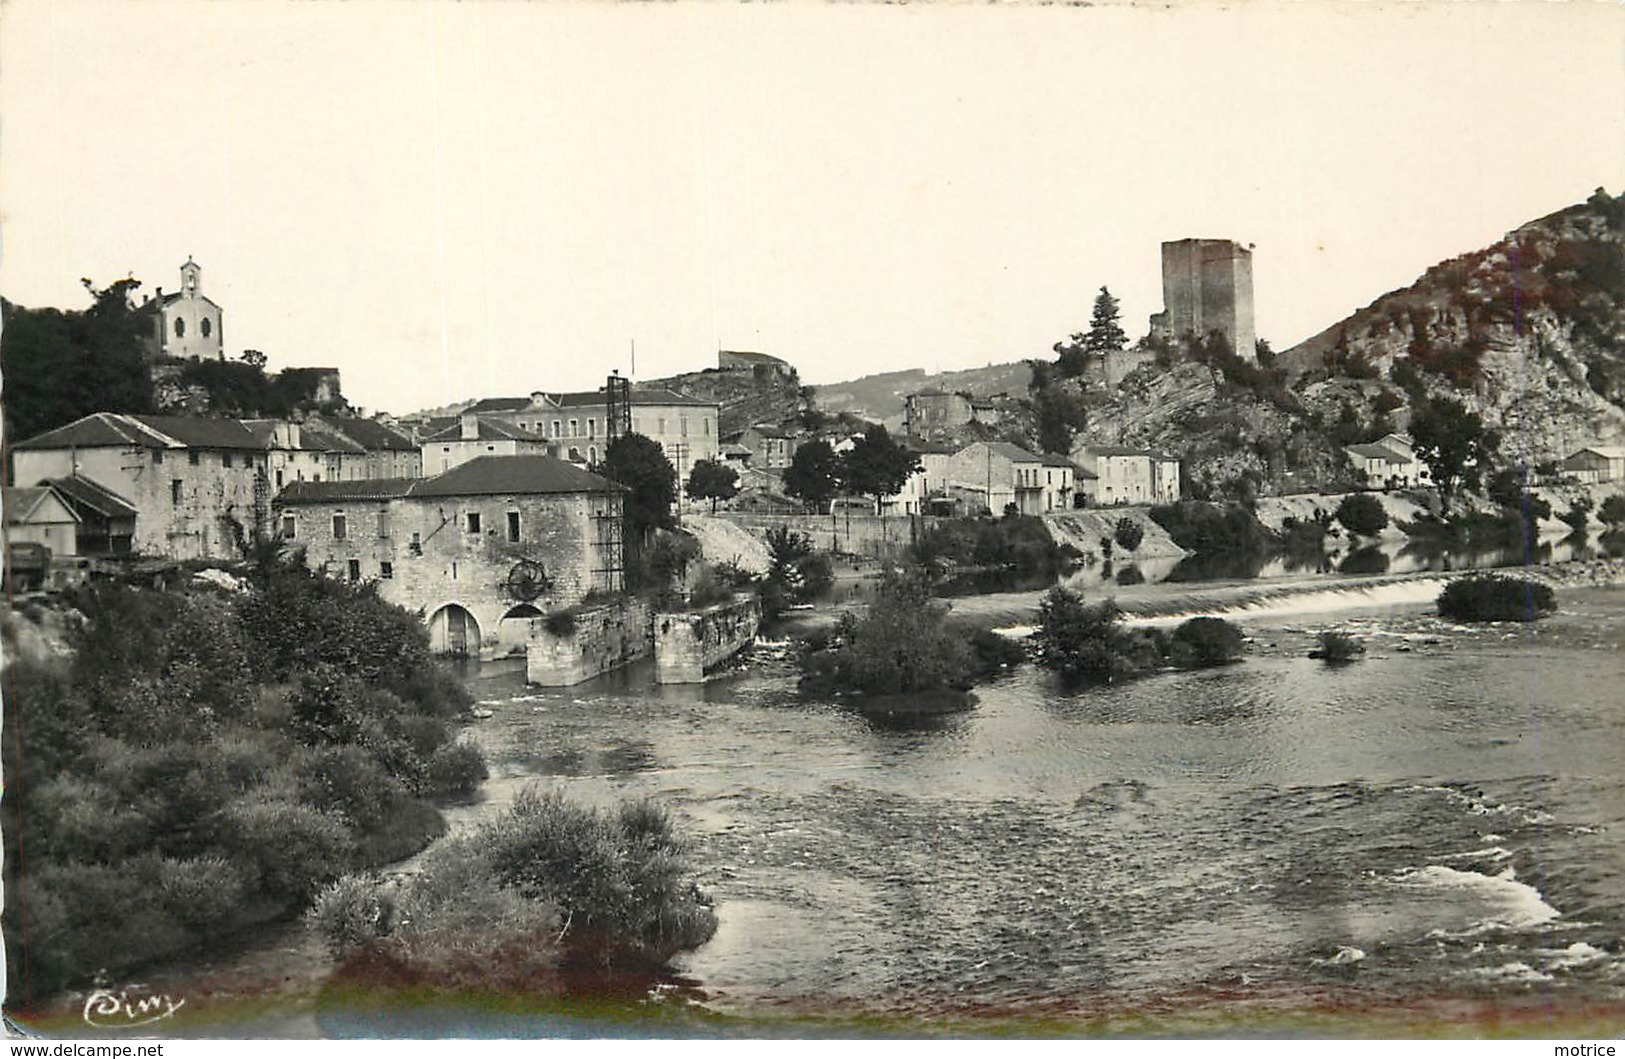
{"type": "Point", "coordinates": [1612, 510]}
{"type": "Point", "coordinates": [1455, 445]}
{"type": "Point", "coordinates": [1060, 413]}
{"type": "Point", "coordinates": [712, 480]}
{"type": "Point", "coordinates": [640, 464]}
{"type": "Point", "coordinates": [1363, 514]}
{"type": "Point", "coordinates": [1129, 533]}
{"type": "Point", "coordinates": [255, 359]}
{"type": "Point", "coordinates": [61, 365]}
{"type": "Point", "coordinates": [877, 466]}
{"type": "Point", "coordinates": [814, 474]}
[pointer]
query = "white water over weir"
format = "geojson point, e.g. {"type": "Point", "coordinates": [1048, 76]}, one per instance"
{"type": "Point", "coordinates": [1252, 601]}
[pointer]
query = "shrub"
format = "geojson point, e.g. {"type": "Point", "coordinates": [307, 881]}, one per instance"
{"type": "Point", "coordinates": [295, 848]}
{"type": "Point", "coordinates": [350, 912]}
{"type": "Point", "coordinates": [1612, 510]}
{"type": "Point", "coordinates": [1202, 642]}
{"type": "Point", "coordinates": [1079, 642]}
{"type": "Point", "coordinates": [1129, 533]}
{"type": "Point", "coordinates": [455, 768]}
{"type": "Point", "coordinates": [1337, 648]}
{"type": "Point", "coordinates": [1578, 514]}
{"type": "Point", "coordinates": [202, 892]}
{"type": "Point", "coordinates": [1496, 597]}
{"type": "Point", "coordinates": [993, 652]}
{"type": "Point", "coordinates": [1363, 514]}
{"type": "Point", "coordinates": [1207, 528]}
{"type": "Point", "coordinates": [902, 645]}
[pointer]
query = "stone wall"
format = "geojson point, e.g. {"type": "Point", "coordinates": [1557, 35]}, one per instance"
{"type": "Point", "coordinates": [846, 532]}
{"type": "Point", "coordinates": [688, 644]}
{"type": "Point", "coordinates": [603, 638]}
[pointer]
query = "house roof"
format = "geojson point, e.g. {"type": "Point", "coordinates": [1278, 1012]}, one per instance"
{"type": "Point", "coordinates": [1049, 459]}
{"type": "Point", "coordinates": [1377, 452]}
{"type": "Point", "coordinates": [648, 395]}
{"type": "Point", "coordinates": [487, 475]}
{"type": "Point", "coordinates": [113, 429]}
{"type": "Point", "coordinates": [366, 489]}
{"type": "Point", "coordinates": [317, 437]}
{"type": "Point", "coordinates": [488, 430]}
{"type": "Point", "coordinates": [1607, 452]}
{"type": "Point", "coordinates": [929, 447]}
{"type": "Point", "coordinates": [1013, 453]}
{"type": "Point", "coordinates": [94, 496]}
{"type": "Point", "coordinates": [371, 434]}
{"type": "Point", "coordinates": [1081, 471]}
{"type": "Point", "coordinates": [498, 404]}
{"type": "Point", "coordinates": [22, 501]}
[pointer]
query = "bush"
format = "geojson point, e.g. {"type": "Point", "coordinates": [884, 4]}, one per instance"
{"type": "Point", "coordinates": [296, 848]}
{"type": "Point", "coordinates": [1496, 597]}
{"type": "Point", "coordinates": [1612, 510]}
{"type": "Point", "coordinates": [350, 912]}
{"type": "Point", "coordinates": [993, 652]}
{"type": "Point", "coordinates": [1202, 642]}
{"type": "Point", "coordinates": [1079, 642]}
{"type": "Point", "coordinates": [903, 645]}
{"type": "Point", "coordinates": [1578, 514]}
{"type": "Point", "coordinates": [1363, 514]}
{"type": "Point", "coordinates": [1208, 529]}
{"type": "Point", "coordinates": [1337, 648]}
{"type": "Point", "coordinates": [456, 768]}
{"type": "Point", "coordinates": [1129, 533]}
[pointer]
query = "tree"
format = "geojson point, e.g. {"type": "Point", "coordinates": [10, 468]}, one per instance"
{"type": "Point", "coordinates": [1104, 335]}
{"type": "Point", "coordinates": [814, 474]}
{"type": "Point", "coordinates": [254, 359]}
{"type": "Point", "coordinates": [877, 466]}
{"type": "Point", "coordinates": [1612, 511]}
{"type": "Point", "coordinates": [1060, 413]}
{"type": "Point", "coordinates": [1129, 533]}
{"type": "Point", "coordinates": [712, 480]}
{"type": "Point", "coordinates": [640, 464]}
{"type": "Point", "coordinates": [1362, 514]}
{"type": "Point", "coordinates": [61, 365]}
{"type": "Point", "coordinates": [1455, 445]}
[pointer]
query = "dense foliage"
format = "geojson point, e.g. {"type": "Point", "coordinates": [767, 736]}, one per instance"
{"type": "Point", "coordinates": [1455, 444]}
{"type": "Point", "coordinates": [61, 365]}
{"type": "Point", "coordinates": [1496, 597]}
{"type": "Point", "coordinates": [876, 465]}
{"type": "Point", "coordinates": [1336, 648]}
{"type": "Point", "coordinates": [1211, 529]}
{"type": "Point", "coordinates": [1087, 644]}
{"type": "Point", "coordinates": [796, 573]}
{"type": "Point", "coordinates": [903, 645]}
{"type": "Point", "coordinates": [547, 885]}
{"type": "Point", "coordinates": [712, 480]}
{"type": "Point", "coordinates": [204, 760]}
{"type": "Point", "coordinates": [1362, 514]}
{"type": "Point", "coordinates": [640, 464]}
{"type": "Point", "coordinates": [1016, 542]}
{"type": "Point", "coordinates": [814, 474]}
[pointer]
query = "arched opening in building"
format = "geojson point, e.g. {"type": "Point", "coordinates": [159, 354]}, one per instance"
{"type": "Point", "coordinates": [513, 631]}
{"type": "Point", "coordinates": [453, 631]}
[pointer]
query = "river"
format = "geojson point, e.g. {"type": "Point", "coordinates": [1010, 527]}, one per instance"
{"type": "Point", "coordinates": [1431, 840]}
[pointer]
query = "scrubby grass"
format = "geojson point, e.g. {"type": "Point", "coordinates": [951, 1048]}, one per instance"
{"type": "Point", "coordinates": [547, 886]}
{"type": "Point", "coordinates": [1496, 597]}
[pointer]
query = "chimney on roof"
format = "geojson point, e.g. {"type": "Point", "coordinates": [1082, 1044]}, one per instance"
{"type": "Point", "coordinates": [471, 427]}
{"type": "Point", "coordinates": [538, 397]}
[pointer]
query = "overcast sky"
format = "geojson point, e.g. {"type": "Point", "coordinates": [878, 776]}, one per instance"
{"type": "Point", "coordinates": [455, 200]}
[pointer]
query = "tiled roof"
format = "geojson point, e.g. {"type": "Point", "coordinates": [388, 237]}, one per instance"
{"type": "Point", "coordinates": [498, 404]}
{"type": "Point", "coordinates": [197, 433]}
{"type": "Point", "coordinates": [489, 430]}
{"type": "Point", "coordinates": [100, 429]}
{"type": "Point", "coordinates": [1607, 452]}
{"type": "Point", "coordinates": [22, 500]}
{"type": "Point", "coordinates": [1378, 452]}
{"type": "Point", "coordinates": [1049, 459]}
{"type": "Point", "coordinates": [371, 434]}
{"type": "Point", "coordinates": [93, 495]}
{"type": "Point", "coordinates": [1013, 453]}
{"type": "Point", "coordinates": [512, 474]}
{"type": "Point", "coordinates": [1117, 450]}
{"type": "Point", "coordinates": [366, 489]}
{"type": "Point", "coordinates": [647, 396]}
{"type": "Point", "coordinates": [929, 447]}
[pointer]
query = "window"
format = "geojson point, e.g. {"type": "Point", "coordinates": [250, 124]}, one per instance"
{"type": "Point", "coordinates": [592, 428]}
{"type": "Point", "coordinates": [225, 459]}
{"type": "Point", "coordinates": [279, 478]}
{"type": "Point", "coordinates": [386, 570]}
{"type": "Point", "coordinates": [592, 454]}
{"type": "Point", "coordinates": [575, 427]}
{"type": "Point", "coordinates": [416, 547]}
{"type": "Point", "coordinates": [290, 526]}
{"type": "Point", "coordinates": [180, 328]}
{"type": "Point", "coordinates": [383, 522]}
{"type": "Point", "coordinates": [175, 491]}
{"type": "Point", "coordinates": [192, 457]}
{"type": "Point", "coordinates": [682, 426]}
{"type": "Point", "coordinates": [513, 527]}
{"type": "Point", "coordinates": [555, 428]}
{"type": "Point", "coordinates": [473, 522]}
{"type": "Point", "coordinates": [706, 422]}
{"type": "Point", "coordinates": [205, 327]}
{"type": "Point", "coordinates": [662, 427]}
{"type": "Point", "coordinates": [490, 448]}
{"type": "Point", "coordinates": [354, 569]}
{"type": "Point", "coordinates": [341, 526]}
{"type": "Point", "coordinates": [157, 457]}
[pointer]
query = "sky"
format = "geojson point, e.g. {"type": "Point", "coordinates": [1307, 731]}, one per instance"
{"type": "Point", "coordinates": [450, 200]}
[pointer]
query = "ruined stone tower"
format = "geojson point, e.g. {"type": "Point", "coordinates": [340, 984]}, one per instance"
{"type": "Point", "coordinates": [1207, 285]}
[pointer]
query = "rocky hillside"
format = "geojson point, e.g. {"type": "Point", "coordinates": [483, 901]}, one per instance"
{"type": "Point", "coordinates": [1529, 333]}
{"type": "Point", "coordinates": [880, 397]}
{"type": "Point", "coordinates": [744, 398]}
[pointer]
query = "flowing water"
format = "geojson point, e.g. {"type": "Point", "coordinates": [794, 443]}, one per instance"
{"type": "Point", "coordinates": [1438, 829]}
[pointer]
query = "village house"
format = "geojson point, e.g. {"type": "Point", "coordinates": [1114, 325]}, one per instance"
{"type": "Point", "coordinates": [186, 325]}
{"type": "Point", "coordinates": [1595, 464]}
{"type": "Point", "coordinates": [577, 424]}
{"type": "Point", "coordinates": [200, 487]}
{"type": "Point", "coordinates": [1390, 462]}
{"type": "Point", "coordinates": [935, 413]}
{"type": "Point", "coordinates": [771, 447]}
{"type": "Point", "coordinates": [480, 550]}
{"type": "Point", "coordinates": [42, 539]}
{"type": "Point", "coordinates": [474, 436]}
{"type": "Point", "coordinates": [385, 452]}
{"type": "Point", "coordinates": [106, 520]}
{"type": "Point", "coordinates": [994, 475]}
{"type": "Point", "coordinates": [1126, 475]}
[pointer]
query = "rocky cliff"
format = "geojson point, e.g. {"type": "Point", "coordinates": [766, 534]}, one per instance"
{"type": "Point", "coordinates": [744, 397]}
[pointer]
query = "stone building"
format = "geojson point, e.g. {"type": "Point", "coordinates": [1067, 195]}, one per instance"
{"type": "Point", "coordinates": [199, 487]}
{"type": "Point", "coordinates": [187, 324]}
{"type": "Point", "coordinates": [935, 413]}
{"type": "Point", "coordinates": [473, 436]}
{"type": "Point", "coordinates": [577, 424]}
{"type": "Point", "coordinates": [1124, 475]}
{"type": "Point", "coordinates": [759, 364]}
{"type": "Point", "coordinates": [386, 452]}
{"type": "Point", "coordinates": [106, 520]}
{"type": "Point", "coordinates": [480, 550]}
{"type": "Point", "coordinates": [995, 474]}
{"type": "Point", "coordinates": [1207, 285]}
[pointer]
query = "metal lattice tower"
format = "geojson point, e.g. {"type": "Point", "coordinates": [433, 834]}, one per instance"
{"type": "Point", "coordinates": [618, 399]}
